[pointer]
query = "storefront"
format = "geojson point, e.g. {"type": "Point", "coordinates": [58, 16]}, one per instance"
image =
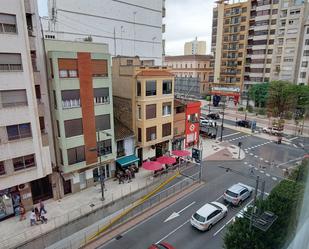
{"type": "Point", "coordinates": [9, 202]}
{"type": "Point", "coordinates": [178, 143]}
{"type": "Point", "coordinates": [161, 148]}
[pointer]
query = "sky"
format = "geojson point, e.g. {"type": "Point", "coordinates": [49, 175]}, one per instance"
{"type": "Point", "coordinates": [185, 20]}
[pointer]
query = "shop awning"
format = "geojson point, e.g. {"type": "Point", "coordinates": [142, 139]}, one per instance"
{"type": "Point", "coordinates": [124, 161]}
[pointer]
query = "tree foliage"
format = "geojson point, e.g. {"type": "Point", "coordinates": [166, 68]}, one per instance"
{"type": "Point", "coordinates": [259, 94]}
{"type": "Point", "coordinates": [284, 200]}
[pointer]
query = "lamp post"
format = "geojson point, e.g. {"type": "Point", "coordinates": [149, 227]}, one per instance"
{"type": "Point", "coordinates": [99, 154]}
{"type": "Point", "coordinates": [222, 120]}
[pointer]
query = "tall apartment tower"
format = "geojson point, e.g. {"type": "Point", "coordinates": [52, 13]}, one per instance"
{"type": "Point", "coordinates": [26, 148]}
{"type": "Point", "coordinates": [229, 41]}
{"type": "Point", "coordinates": [261, 42]}
{"type": "Point", "coordinates": [130, 28]}
{"type": "Point", "coordinates": [291, 21]}
{"type": "Point", "coordinates": [195, 47]}
{"type": "Point", "coordinates": [303, 72]}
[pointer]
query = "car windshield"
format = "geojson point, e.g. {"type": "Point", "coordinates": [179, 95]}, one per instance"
{"type": "Point", "coordinates": [230, 193]}
{"type": "Point", "coordinates": [199, 217]}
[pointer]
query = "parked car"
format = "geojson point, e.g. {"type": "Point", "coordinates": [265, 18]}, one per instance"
{"type": "Point", "coordinates": [162, 245]}
{"type": "Point", "coordinates": [244, 123]}
{"type": "Point", "coordinates": [208, 215]}
{"type": "Point", "coordinates": [237, 193]}
{"type": "Point", "coordinates": [272, 130]}
{"type": "Point", "coordinates": [206, 122]}
{"type": "Point", "coordinates": [214, 115]}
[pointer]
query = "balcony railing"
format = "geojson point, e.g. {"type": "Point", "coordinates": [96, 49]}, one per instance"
{"type": "Point", "coordinates": [101, 100]}
{"type": "Point", "coordinates": [72, 103]}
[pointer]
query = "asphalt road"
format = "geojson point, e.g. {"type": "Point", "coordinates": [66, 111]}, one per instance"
{"type": "Point", "coordinates": [178, 231]}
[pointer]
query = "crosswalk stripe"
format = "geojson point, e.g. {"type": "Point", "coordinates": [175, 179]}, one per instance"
{"type": "Point", "coordinates": [274, 178]}
{"type": "Point", "coordinates": [267, 174]}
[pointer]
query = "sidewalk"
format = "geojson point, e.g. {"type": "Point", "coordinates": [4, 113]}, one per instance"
{"type": "Point", "coordinates": [79, 204]}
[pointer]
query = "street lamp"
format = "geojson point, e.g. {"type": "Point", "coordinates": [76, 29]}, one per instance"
{"type": "Point", "coordinates": [222, 119]}
{"type": "Point", "coordinates": [99, 154]}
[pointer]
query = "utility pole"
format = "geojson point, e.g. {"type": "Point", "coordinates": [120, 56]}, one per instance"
{"type": "Point", "coordinates": [254, 202]}
{"type": "Point", "coordinates": [100, 168]}
{"type": "Point", "coordinates": [247, 104]}
{"type": "Point", "coordinates": [222, 121]}
{"type": "Point", "coordinates": [115, 43]}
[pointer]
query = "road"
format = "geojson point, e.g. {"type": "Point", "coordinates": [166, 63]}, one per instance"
{"type": "Point", "coordinates": [178, 231]}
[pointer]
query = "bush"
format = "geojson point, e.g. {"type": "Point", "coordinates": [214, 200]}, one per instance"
{"type": "Point", "coordinates": [241, 109]}
{"type": "Point", "coordinates": [288, 115]}
{"type": "Point", "coordinates": [261, 111]}
{"type": "Point", "coordinates": [250, 108]}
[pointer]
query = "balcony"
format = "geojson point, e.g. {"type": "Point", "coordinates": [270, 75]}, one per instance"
{"type": "Point", "coordinates": [72, 103]}
{"type": "Point", "coordinates": [103, 100]}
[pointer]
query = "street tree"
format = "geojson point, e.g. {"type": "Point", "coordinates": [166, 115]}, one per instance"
{"type": "Point", "coordinates": [284, 200]}
{"type": "Point", "coordinates": [259, 94]}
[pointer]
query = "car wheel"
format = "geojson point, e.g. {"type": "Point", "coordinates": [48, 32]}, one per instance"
{"type": "Point", "coordinates": [209, 227]}
{"type": "Point", "coordinates": [225, 214]}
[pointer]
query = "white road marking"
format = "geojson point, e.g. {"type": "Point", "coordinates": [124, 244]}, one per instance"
{"type": "Point", "coordinates": [246, 163]}
{"type": "Point", "coordinates": [261, 158]}
{"type": "Point", "coordinates": [255, 168]}
{"type": "Point", "coordinates": [256, 156]}
{"type": "Point", "coordinates": [261, 171]}
{"type": "Point", "coordinates": [266, 161]}
{"type": "Point", "coordinates": [246, 151]}
{"type": "Point", "coordinates": [219, 198]}
{"type": "Point", "coordinates": [274, 178]}
{"type": "Point", "coordinates": [176, 214]}
{"type": "Point", "coordinates": [293, 160]}
{"type": "Point", "coordinates": [295, 145]}
{"type": "Point", "coordinates": [231, 134]}
{"type": "Point", "coordinates": [292, 138]}
{"type": "Point", "coordinates": [251, 154]}
{"type": "Point", "coordinates": [175, 230]}
{"type": "Point", "coordinates": [267, 174]}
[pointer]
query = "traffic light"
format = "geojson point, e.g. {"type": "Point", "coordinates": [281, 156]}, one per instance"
{"type": "Point", "coordinates": [196, 154]}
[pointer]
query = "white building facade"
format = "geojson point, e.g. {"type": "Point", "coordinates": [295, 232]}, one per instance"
{"type": "Point", "coordinates": [26, 150]}
{"type": "Point", "coordinates": [303, 74]}
{"type": "Point", "coordinates": [132, 27]}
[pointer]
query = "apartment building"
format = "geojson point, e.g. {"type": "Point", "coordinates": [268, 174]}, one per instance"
{"type": "Point", "coordinates": [144, 101]}
{"type": "Point", "coordinates": [131, 27]}
{"type": "Point", "coordinates": [26, 148]}
{"type": "Point", "coordinates": [303, 72]}
{"type": "Point", "coordinates": [195, 47]}
{"type": "Point", "coordinates": [229, 42]}
{"type": "Point", "coordinates": [82, 107]}
{"type": "Point", "coordinates": [195, 66]}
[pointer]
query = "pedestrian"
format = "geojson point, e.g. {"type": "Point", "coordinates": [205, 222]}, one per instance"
{"type": "Point", "coordinates": [37, 213]}
{"type": "Point", "coordinates": [42, 207]}
{"type": "Point", "coordinates": [43, 219]}
{"type": "Point", "coordinates": [22, 212]}
{"type": "Point", "coordinates": [32, 218]}
{"type": "Point", "coordinates": [251, 171]}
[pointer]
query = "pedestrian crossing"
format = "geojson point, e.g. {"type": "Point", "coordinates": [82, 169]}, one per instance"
{"type": "Point", "coordinates": [237, 138]}
{"type": "Point", "coordinates": [258, 145]}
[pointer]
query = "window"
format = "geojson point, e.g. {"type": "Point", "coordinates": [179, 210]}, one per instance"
{"type": "Point", "coordinates": [303, 75]}
{"type": "Point", "coordinates": [273, 22]}
{"type": "Point", "coordinates": [105, 147]}
{"type": "Point", "coordinates": [70, 98]}
{"type": "Point", "coordinates": [138, 88]}
{"type": "Point", "coordinates": [7, 23]}
{"type": "Point", "coordinates": [42, 124]}
{"type": "Point", "coordinates": [306, 52]}
{"type": "Point", "coordinates": [19, 131]}
{"type": "Point", "coordinates": [275, 11]}
{"type": "Point", "coordinates": [139, 135]}
{"type": "Point", "coordinates": [242, 28]}
{"type": "Point", "coordinates": [307, 42]}
{"type": "Point", "coordinates": [139, 112]}
{"type": "Point", "coordinates": [38, 91]}
{"type": "Point", "coordinates": [102, 122]}
{"type": "Point", "coordinates": [307, 31]}
{"type": "Point", "coordinates": [55, 99]}
{"type": "Point", "coordinates": [180, 109]}
{"type": "Point", "coordinates": [2, 168]}
{"type": "Point", "coordinates": [167, 87]}
{"type": "Point", "coordinates": [24, 162]}
{"type": "Point", "coordinates": [304, 64]}
{"type": "Point", "coordinates": [58, 128]}
{"type": "Point", "coordinates": [269, 51]}
{"type": "Point", "coordinates": [76, 155]}
{"type": "Point", "coordinates": [13, 98]}
{"type": "Point", "coordinates": [151, 111]}
{"type": "Point", "coordinates": [151, 133]}
{"type": "Point", "coordinates": [99, 68]}
{"type": "Point", "coordinates": [60, 156]}
{"type": "Point", "coordinates": [101, 95]}
{"type": "Point", "coordinates": [129, 62]}
{"type": "Point", "coordinates": [10, 62]}
{"type": "Point", "coordinates": [167, 109]}
{"type": "Point", "coordinates": [73, 127]}
{"type": "Point", "coordinates": [67, 68]}
{"type": "Point", "coordinates": [151, 87]}
{"type": "Point", "coordinates": [288, 59]}
{"type": "Point", "coordinates": [241, 37]}
{"type": "Point", "coordinates": [166, 129]}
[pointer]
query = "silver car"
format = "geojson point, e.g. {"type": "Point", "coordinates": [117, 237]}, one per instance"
{"type": "Point", "coordinates": [237, 193]}
{"type": "Point", "coordinates": [208, 215]}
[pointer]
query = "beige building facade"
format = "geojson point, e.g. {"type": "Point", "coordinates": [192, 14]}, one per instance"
{"type": "Point", "coordinates": [144, 102]}
{"type": "Point", "coordinates": [195, 47]}
{"type": "Point", "coordinates": [197, 66]}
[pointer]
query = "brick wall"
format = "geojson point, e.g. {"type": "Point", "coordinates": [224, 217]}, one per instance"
{"type": "Point", "coordinates": [123, 111]}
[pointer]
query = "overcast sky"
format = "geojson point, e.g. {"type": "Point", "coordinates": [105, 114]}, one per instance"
{"type": "Point", "coordinates": [185, 19]}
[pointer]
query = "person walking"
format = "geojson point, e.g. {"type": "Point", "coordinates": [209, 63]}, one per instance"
{"type": "Point", "coordinates": [37, 213]}
{"type": "Point", "coordinates": [32, 218]}
{"type": "Point", "coordinates": [42, 207]}
{"type": "Point", "coordinates": [22, 212]}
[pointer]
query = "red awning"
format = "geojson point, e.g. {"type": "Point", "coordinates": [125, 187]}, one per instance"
{"type": "Point", "coordinates": [180, 153]}
{"type": "Point", "coordinates": [166, 160]}
{"type": "Point", "coordinates": [152, 165]}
